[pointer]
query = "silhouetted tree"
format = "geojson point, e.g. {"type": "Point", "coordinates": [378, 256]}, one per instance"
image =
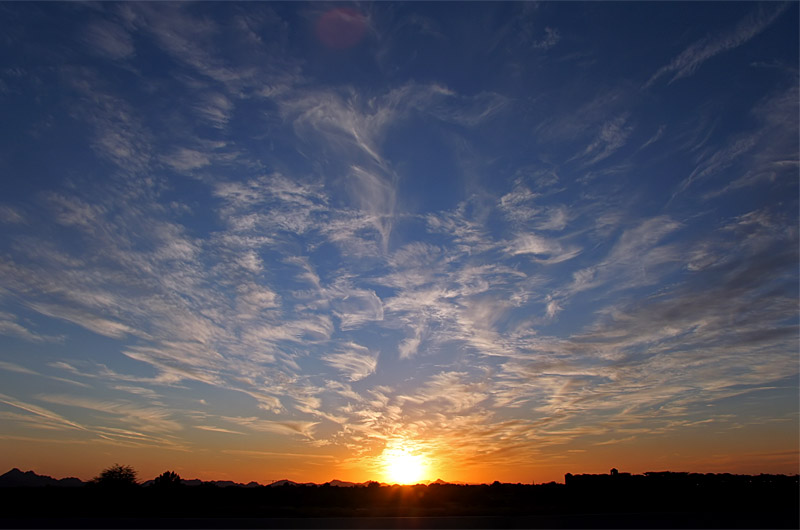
{"type": "Point", "coordinates": [168, 479]}
{"type": "Point", "coordinates": [116, 476]}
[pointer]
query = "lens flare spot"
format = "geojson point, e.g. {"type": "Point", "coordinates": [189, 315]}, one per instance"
{"type": "Point", "coordinates": [341, 27]}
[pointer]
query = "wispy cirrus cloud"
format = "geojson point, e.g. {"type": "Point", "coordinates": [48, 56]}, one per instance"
{"type": "Point", "coordinates": [120, 136]}
{"type": "Point", "coordinates": [544, 250]}
{"type": "Point", "coordinates": [185, 159]}
{"type": "Point", "coordinates": [279, 427]}
{"type": "Point", "coordinates": [355, 361]}
{"type": "Point", "coordinates": [215, 108]}
{"type": "Point", "coordinates": [355, 127]}
{"type": "Point", "coordinates": [612, 136]}
{"type": "Point", "coordinates": [10, 326]}
{"type": "Point", "coordinates": [41, 416]}
{"type": "Point", "coordinates": [147, 418]}
{"type": "Point", "coordinates": [688, 61]}
{"type": "Point", "coordinates": [102, 326]}
{"type": "Point", "coordinates": [522, 206]}
{"type": "Point", "coordinates": [109, 39]}
{"type": "Point", "coordinates": [763, 155]}
{"type": "Point", "coordinates": [11, 215]}
{"type": "Point", "coordinates": [634, 258]}
{"type": "Point", "coordinates": [675, 337]}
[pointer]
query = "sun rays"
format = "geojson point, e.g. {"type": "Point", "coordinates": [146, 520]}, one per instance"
{"type": "Point", "coordinates": [402, 465]}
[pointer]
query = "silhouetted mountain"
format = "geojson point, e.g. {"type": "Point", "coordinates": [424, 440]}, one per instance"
{"type": "Point", "coordinates": [217, 483]}
{"type": "Point", "coordinates": [342, 484]}
{"type": "Point", "coordinates": [287, 482]}
{"type": "Point", "coordinates": [224, 483]}
{"type": "Point", "coordinates": [28, 479]}
{"type": "Point", "coordinates": [70, 482]}
{"type": "Point", "coordinates": [254, 484]}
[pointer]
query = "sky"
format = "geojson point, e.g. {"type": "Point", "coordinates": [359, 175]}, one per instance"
{"type": "Point", "coordinates": [486, 241]}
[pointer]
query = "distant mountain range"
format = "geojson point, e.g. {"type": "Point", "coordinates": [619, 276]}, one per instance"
{"type": "Point", "coordinates": [28, 479]}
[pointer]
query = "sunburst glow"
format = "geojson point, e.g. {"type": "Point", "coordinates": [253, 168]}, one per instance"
{"type": "Point", "coordinates": [402, 466]}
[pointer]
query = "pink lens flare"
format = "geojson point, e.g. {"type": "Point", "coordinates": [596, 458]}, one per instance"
{"type": "Point", "coordinates": [341, 28]}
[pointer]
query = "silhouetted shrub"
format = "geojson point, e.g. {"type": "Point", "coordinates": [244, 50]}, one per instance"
{"type": "Point", "coordinates": [167, 479]}
{"type": "Point", "coordinates": [116, 476]}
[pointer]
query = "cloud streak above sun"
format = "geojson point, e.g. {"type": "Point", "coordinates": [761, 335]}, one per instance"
{"type": "Point", "coordinates": [498, 247]}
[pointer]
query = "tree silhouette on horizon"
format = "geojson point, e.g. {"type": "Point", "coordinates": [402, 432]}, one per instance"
{"type": "Point", "coordinates": [116, 476]}
{"type": "Point", "coordinates": [167, 479]}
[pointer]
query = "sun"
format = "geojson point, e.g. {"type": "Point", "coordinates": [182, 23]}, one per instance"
{"type": "Point", "coordinates": [403, 467]}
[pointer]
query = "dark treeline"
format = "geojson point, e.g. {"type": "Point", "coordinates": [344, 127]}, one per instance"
{"type": "Point", "coordinates": [721, 500]}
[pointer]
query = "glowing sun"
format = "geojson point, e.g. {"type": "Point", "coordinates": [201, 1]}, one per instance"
{"type": "Point", "coordinates": [403, 467]}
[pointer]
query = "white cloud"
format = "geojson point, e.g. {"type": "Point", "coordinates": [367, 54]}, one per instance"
{"type": "Point", "coordinates": [119, 134]}
{"type": "Point", "coordinates": [216, 429]}
{"type": "Point", "coordinates": [148, 418]}
{"type": "Point", "coordinates": [518, 204]}
{"type": "Point", "coordinates": [551, 38]}
{"type": "Point", "coordinates": [250, 261]}
{"type": "Point", "coordinates": [764, 155]}
{"type": "Point", "coordinates": [109, 40]}
{"type": "Point", "coordinates": [545, 250]}
{"type": "Point", "coordinates": [12, 367]}
{"type": "Point", "coordinates": [452, 390]}
{"type": "Point", "coordinates": [635, 259]}
{"type": "Point", "coordinates": [41, 415]}
{"type": "Point", "coordinates": [552, 308]}
{"type": "Point", "coordinates": [288, 427]}
{"type": "Point", "coordinates": [185, 159]}
{"type": "Point", "coordinates": [11, 215]}
{"type": "Point", "coordinates": [613, 135]}
{"type": "Point", "coordinates": [214, 108]}
{"type": "Point", "coordinates": [254, 298]}
{"type": "Point", "coordinates": [71, 210]}
{"type": "Point", "coordinates": [85, 319]}
{"type": "Point", "coordinates": [408, 347]}
{"type": "Point", "coordinates": [355, 361]}
{"type": "Point", "coordinates": [355, 307]}
{"type": "Point", "coordinates": [699, 52]}
{"type": "Point", "coordinates": [10, 327]}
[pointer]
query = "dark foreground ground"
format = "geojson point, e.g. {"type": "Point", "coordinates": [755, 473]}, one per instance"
{"type": "Point", "coordinates": [666, 502]}
{"type": "Point", "coordinates": [589, 520]}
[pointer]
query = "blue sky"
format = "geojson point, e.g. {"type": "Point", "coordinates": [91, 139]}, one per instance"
{"type": "Point", "coordinates": [515, 239]}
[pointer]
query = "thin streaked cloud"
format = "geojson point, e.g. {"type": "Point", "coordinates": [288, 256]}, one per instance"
{"type": "Point", "coordinates": [701, 51]}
